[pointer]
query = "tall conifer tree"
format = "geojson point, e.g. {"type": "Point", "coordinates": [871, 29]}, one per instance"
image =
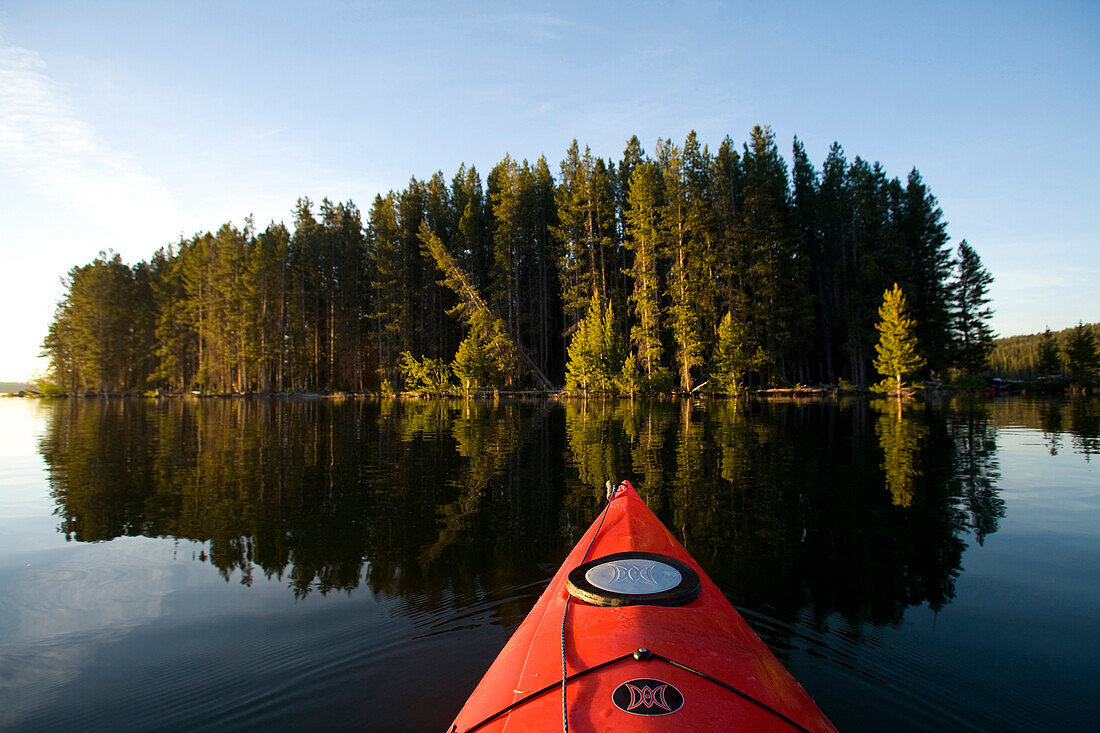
{"type": "Point", "coordinates": [685, 221]}
{"type": "Point", "coordinates": [923, 263]}
{"type": "Point", "coordinates": [775, 293]}
{"type": "Point", "coordinates": [644, 238]}
{"type": "Point", "coordinates": [971, 333]}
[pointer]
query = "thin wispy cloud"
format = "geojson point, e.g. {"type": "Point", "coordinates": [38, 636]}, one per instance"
{"type": "Point", "coordinates": [536, 25]}
{"type": "Point", "coordinates": [45, 143]}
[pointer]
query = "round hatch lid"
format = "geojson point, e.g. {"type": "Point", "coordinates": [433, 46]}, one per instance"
{"type": "Point", "coordinates": [634, 578]}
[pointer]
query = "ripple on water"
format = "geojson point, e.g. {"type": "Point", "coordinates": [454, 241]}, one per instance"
{"type": "Point", "coordinates": [908, 673]}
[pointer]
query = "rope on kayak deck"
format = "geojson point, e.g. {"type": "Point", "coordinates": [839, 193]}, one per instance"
{"type": "Point", "coordinates": [538, 693]}
{"type": "Point", "coordinates": [612, 489]}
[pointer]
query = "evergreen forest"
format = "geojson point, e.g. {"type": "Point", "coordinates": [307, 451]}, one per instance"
{"type": "Point", "coordinates": [658, 272]}
{"type": "Point", "coordinates": [1048, 353]}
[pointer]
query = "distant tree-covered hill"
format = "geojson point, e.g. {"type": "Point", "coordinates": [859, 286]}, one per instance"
{"type": "Point", "coordinates": [1017, 357]}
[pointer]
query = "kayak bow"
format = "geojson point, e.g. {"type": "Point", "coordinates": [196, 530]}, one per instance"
{"type": "Point", "coordinates": [632, 635]}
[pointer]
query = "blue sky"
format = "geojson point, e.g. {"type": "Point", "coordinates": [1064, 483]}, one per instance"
{"type": "Point", "coordinates": [125, 125]}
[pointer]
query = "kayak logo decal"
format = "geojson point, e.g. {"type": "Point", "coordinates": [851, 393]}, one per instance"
{"type": "Point", "coordinates": [647, 697]}
{"type": "Point", "coordinates": [635, 572]}
{"type": "Point", "coordinates": [650, 697]}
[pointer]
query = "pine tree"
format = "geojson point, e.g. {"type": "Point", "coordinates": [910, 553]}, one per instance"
{"type": "Point", "coordinates": [867, 257]}
{"type": "Point", "coordinates": [471, 364]}
{"type": "Point", "coordinates": [897, 346]}
{"type": "Point", "coordinates": [1081, 355]}
{"type": "Point", "coordinates": [505, 191]}
{"type": "Point", "coordinates": [834, 206]}
{"type": "Point", "coordinates": [645, 238]}
{"type": "Point", "coordinates": [595, 352]}
{"type": "Point", "coordinates": [971, 333]}
{"type": "Point", "coordinates": [775, 290]}
{"type": "Point", "coordinates": [350, 297]}
{"type": "Point", "coordinates": [922, 262]}
{"type": "Point", "coordinates": [489, 330]}
{"type": "Point", "coordinates": [472, 239]}
{"type": "Point", "coordinates": [807, 224]}
{"type": "Point", "coordinates": [686, 217]}
{"type": "Point", "coordinates": [586, 231]}
{"type": "Point", "coordinates": [730, 256]}
{"type": "Point", "coordinates": [630, 380]}
{"type": "Point", "coordinates": [307, 253]}
{"type": "Point", "coordinates": [541, 311]}
{"type": "Point", "coordinates": [174, 349]}
{"type": "Point", "coordinates": [418, 276]}
{"type": "Point", "coordinates": [1050, 361]}
{"type": "Point", "coordinates": [733, 357]}
{"type": "Point", "coordinates": [633, 155]}
{"type": "Point", "coordinates": [389, 289]}
{"type": "Point", "coordinates": [92, 343]}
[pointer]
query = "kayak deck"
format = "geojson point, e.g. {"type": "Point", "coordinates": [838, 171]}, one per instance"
{"type": "Point", "coordinates": [700, 665]}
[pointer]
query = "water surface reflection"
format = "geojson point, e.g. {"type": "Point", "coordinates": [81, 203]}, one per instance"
{"type": "Point", "coordinates": [861, 509]}
{"type": "Point", "coordinates": [365, 560]}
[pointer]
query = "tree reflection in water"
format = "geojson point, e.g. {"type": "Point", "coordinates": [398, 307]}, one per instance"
{"type": "Point", "coordinates": [900, 438]}
{"type": "Point", "coordinates": [784, 504]}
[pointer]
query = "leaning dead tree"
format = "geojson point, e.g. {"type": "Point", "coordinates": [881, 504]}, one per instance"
{"type": "Point", "coordinates": [480, 319]}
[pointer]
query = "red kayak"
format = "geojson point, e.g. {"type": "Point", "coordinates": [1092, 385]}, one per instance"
{"type": "Point", "coordinates": [632, 635]}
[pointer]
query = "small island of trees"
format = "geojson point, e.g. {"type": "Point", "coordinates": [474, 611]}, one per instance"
{"type": "Point", "coordinates": [675, 271]}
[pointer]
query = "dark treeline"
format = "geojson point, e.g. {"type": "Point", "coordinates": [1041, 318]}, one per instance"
{"type": "Point", "coordinates": [683, 245]}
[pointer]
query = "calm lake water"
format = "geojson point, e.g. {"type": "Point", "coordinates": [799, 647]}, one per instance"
{"type": "Point", "coordinates": [233, 564]}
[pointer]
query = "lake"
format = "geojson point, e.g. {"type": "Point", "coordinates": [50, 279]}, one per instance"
{"type": "Point", "coordinates": [284, 564]}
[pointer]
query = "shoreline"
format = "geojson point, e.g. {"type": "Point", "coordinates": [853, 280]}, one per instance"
{"type": "Point", "coordinates": [775, 393]}
{"type": "Point", "coordinates": [808, 394]}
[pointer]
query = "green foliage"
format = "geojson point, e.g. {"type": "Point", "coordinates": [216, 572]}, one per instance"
{"type": "Point", "coordinates": [97, 338]}
{"type": "Point", "coordinates": [1050, 361]}
{"type": "Point", "coordinates": [661, 381]}
{"type": "Point", "coordinates": [630, 380]}
{"type": "Point", "coordinates": [1018, 356]}
{"type": "Point", "coordinates": [425, 375]}
{"type": "Point", "coordinates": [733, 357]}
{"type": "Point", "coordinates": [47, 385]}
{"type": "Point", "coordinates": [1081, 355]}
{"type": "Point", "coordinates": [896, 350]}
{"type": "Point", "coordinates": [471, 365]}
{"type": "Point", "coordinates": [588, 262]}
{"type": "Point", "coordinates": [595, 352]}
{"type": "Point", "coordinates": [969, 382]}
{"type": "Point", "coordinates": [596, 441]}
{"type": "Point", "coordinates": [900, 439]}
